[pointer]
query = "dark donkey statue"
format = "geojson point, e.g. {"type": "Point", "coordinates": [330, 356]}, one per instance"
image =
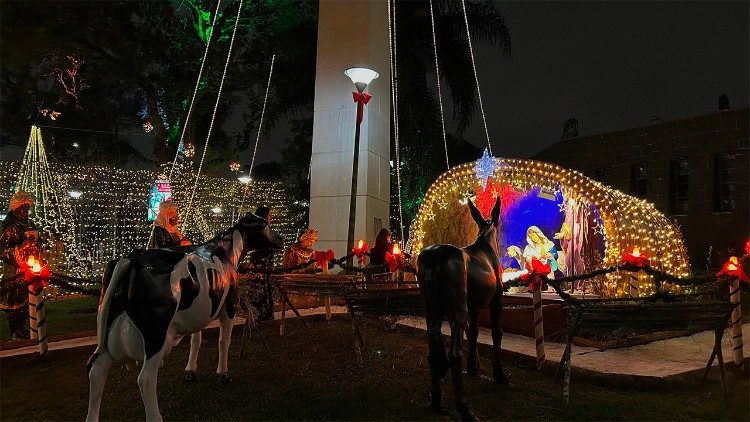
{"type": "Point", "coordinates": [456, 283]}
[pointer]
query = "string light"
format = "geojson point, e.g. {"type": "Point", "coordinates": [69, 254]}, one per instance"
{"type": "Point", "coordinates": [392, 59]}
{"type": "Point", "coordinates": [625, 221]}
{"type": "Point", "coordinates": [476, 78]}
{"type": "Point", "coordinates": [109, 219]}
{"type": "Point", "coordinates": [51, 213]}
{"type": "Point", "coordinates": [437, 76]}
{"type": "Point", "coordinates": [189, 207]}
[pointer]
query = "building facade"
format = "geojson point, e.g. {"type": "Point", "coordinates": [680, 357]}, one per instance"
{"type": "Point", "coordinates": [694, 170]}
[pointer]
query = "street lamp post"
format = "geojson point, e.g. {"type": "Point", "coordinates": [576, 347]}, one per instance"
{"type": "Point", "coordinates": [361, 77]}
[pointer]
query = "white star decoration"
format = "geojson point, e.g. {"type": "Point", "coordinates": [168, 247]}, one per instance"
{"type": "Point", "coordinates": [485, 168]}
{"type": "Point", "coordinates": [561, 206]}
{"type": "Point", "coordinates": [599, 229]}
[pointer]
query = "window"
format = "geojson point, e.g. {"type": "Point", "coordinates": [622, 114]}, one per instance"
{"type": "Point", "coordinates": [724, 169]}
{"type": "Point", "coordinates": [602, 175]}
{"type": "Point", "coordinates": [638, 180]}
{"type": "Point", "coordinates": [679, 178]}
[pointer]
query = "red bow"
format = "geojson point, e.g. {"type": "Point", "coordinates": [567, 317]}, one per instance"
{"type": "Point", "coordinates": [37, 279]}
{"type": "Point", "coordinates": [747, 247]}
{"type": "Point", "coordinates": [537, 270]}
{"type": "Point", "coordinates": [360, 251]}
{"type": "Point", "coordinates": [323, 258]}
{"type": "Point", "coordinates": [395, 261]}
{"type": "Point", "coordinates": [732, 268]}
{"type": "Point", "coordinates": [638, 260]}
{"type": "Point", "coordinates": [361, 98]}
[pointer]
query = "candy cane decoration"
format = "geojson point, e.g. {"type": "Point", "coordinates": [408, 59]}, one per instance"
{"type": "Point", "coordinates": [538, 322]}
{"type": "Point", "coordinates": [733, 271]}
{"type": "Point", "coordinates": [37, 319]}
{"type": "Point", "coordinates": [736, 330]}
{"type": "Point", "coordinates": [633, 284]}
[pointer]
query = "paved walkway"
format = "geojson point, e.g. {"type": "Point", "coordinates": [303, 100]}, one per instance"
{"type": "Point", "coordinates": [659, 359]}
{"type": "Point", "coordinates": [91, 340]}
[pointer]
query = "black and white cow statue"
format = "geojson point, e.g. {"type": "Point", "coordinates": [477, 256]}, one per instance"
{"type": "Point", "coordinates": [155, 297]}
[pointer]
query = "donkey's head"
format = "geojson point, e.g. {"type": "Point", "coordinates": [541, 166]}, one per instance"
{"type": "Point", "coordinates": [257, 234]}
{"type": "Point", "coordinates": [487, 228]}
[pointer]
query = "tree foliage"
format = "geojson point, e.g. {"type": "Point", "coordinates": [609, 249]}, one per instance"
{"type": "Point", "coordinates": [139, 62]}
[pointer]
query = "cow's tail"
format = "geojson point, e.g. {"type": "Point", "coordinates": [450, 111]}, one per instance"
{"type": "Point", "coordinates": [110, 281]}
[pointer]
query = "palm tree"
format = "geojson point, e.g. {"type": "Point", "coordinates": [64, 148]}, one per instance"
{"type": "Point", "coordinates": [421, 141]}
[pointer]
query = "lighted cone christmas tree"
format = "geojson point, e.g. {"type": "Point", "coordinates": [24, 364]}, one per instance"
{"type": "Point", "coordinates": [51, 212]}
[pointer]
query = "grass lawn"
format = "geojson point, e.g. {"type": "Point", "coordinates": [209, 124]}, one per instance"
{"type": "Point", "coordinates": [312, 374]}
{"type": "Point", "coordinates": [64, 316]}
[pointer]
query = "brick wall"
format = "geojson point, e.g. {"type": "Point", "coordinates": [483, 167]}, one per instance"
{"type": "Point", "coordinates": [701, 142]}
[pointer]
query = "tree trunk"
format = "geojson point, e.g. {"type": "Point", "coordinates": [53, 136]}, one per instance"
{"type": "Point", "coordinates": [160, 132]}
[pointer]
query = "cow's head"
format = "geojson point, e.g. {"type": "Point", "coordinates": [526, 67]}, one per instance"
{"type": "Point", "coordinates": [258, 235]}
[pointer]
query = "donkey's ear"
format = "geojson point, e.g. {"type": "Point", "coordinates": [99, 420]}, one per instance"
{"type": "Point", "coordinates": [476, 215]}
{"type": "Point", "coordinates": [496, 212]}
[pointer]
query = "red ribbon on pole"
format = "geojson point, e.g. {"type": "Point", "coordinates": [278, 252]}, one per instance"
{"type": "Point", "coordinates": [395, 261]}
{"type": "Point", "coordinates": [323, 258]}
{"type": "Point", "coordinates": [36, 273]}
{"type": "Point", "coordinates": [635, 260]}
{"type": "Point", "coordinates": [360, 251]}
{"type": "Point", "coordinates": [732, 268]}
{"type": "Point", "coordinates": [537, 270]}
{"type": "Point", "coordinates": [361, 98]}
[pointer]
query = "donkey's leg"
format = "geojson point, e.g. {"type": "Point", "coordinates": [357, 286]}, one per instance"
{"type": "Point", "coordinates": [496, 310]}
{"type": "Point", "coordinates": [455, 357]}
{"type": "Point", "coordinates": [97, 378]}
{"type": "Point", "coordinates": [192, 365]}
{"type": "Point", "coordinates": [147, 384]}
{"type": "Point", "coordinates": [472, 361]}
{"type": "Point", "coordinates": [225, 337]}
{"type": "Point", "coordinates": [437, 360]}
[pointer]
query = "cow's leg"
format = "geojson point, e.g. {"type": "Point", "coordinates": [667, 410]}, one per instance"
{"type": "Point", "coordinates": [147, 384]}
{"type": "Point", "coordinates": [455, 359]}
{"type": "Point", "coordinates": [192, 366]}
{"type": "Point", "coordinates": [438, 362]}
{"type": "Point", "coordinates": [472, 361]}
{"type": "Point", "coordinates": [97, 378]}
{"type": "Point", "coordinates": [496, 310]}
{"type": "Point", "coordinates": [225, 337]}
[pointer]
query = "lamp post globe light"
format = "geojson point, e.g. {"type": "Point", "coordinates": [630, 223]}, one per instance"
{"type": "Point", "coordinates": [361, 77]}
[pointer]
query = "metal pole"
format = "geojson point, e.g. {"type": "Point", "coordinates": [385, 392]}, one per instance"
{"type": "Point", "coordinates": [353, 195]}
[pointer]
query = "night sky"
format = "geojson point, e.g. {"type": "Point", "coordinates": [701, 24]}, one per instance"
{"type": "Point", "coordinates": [611, 65]}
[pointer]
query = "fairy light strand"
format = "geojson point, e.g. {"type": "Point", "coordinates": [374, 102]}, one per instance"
{"type": "Point", "coordinates": [188, 209]}
{"type": "Point", "coordinates": [476, 78]}
{"type": "Point", "coordinates": [195, 89]}
{"type": "Point", "coordinates": [393, 62]}
{"type": "Point", "coordinates": [262, 113]}
{"type": "Point", "coordinates": [437, 78]}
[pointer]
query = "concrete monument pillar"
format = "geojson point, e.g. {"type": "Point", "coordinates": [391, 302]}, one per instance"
{"type": "Point", "coordinates": [350, 34]}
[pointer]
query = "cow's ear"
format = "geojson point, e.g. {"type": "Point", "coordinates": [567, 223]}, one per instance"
{"type": "Point", "coordinates": [496, 212]}
{"type": "Point", "coordinates": [476, 215]}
